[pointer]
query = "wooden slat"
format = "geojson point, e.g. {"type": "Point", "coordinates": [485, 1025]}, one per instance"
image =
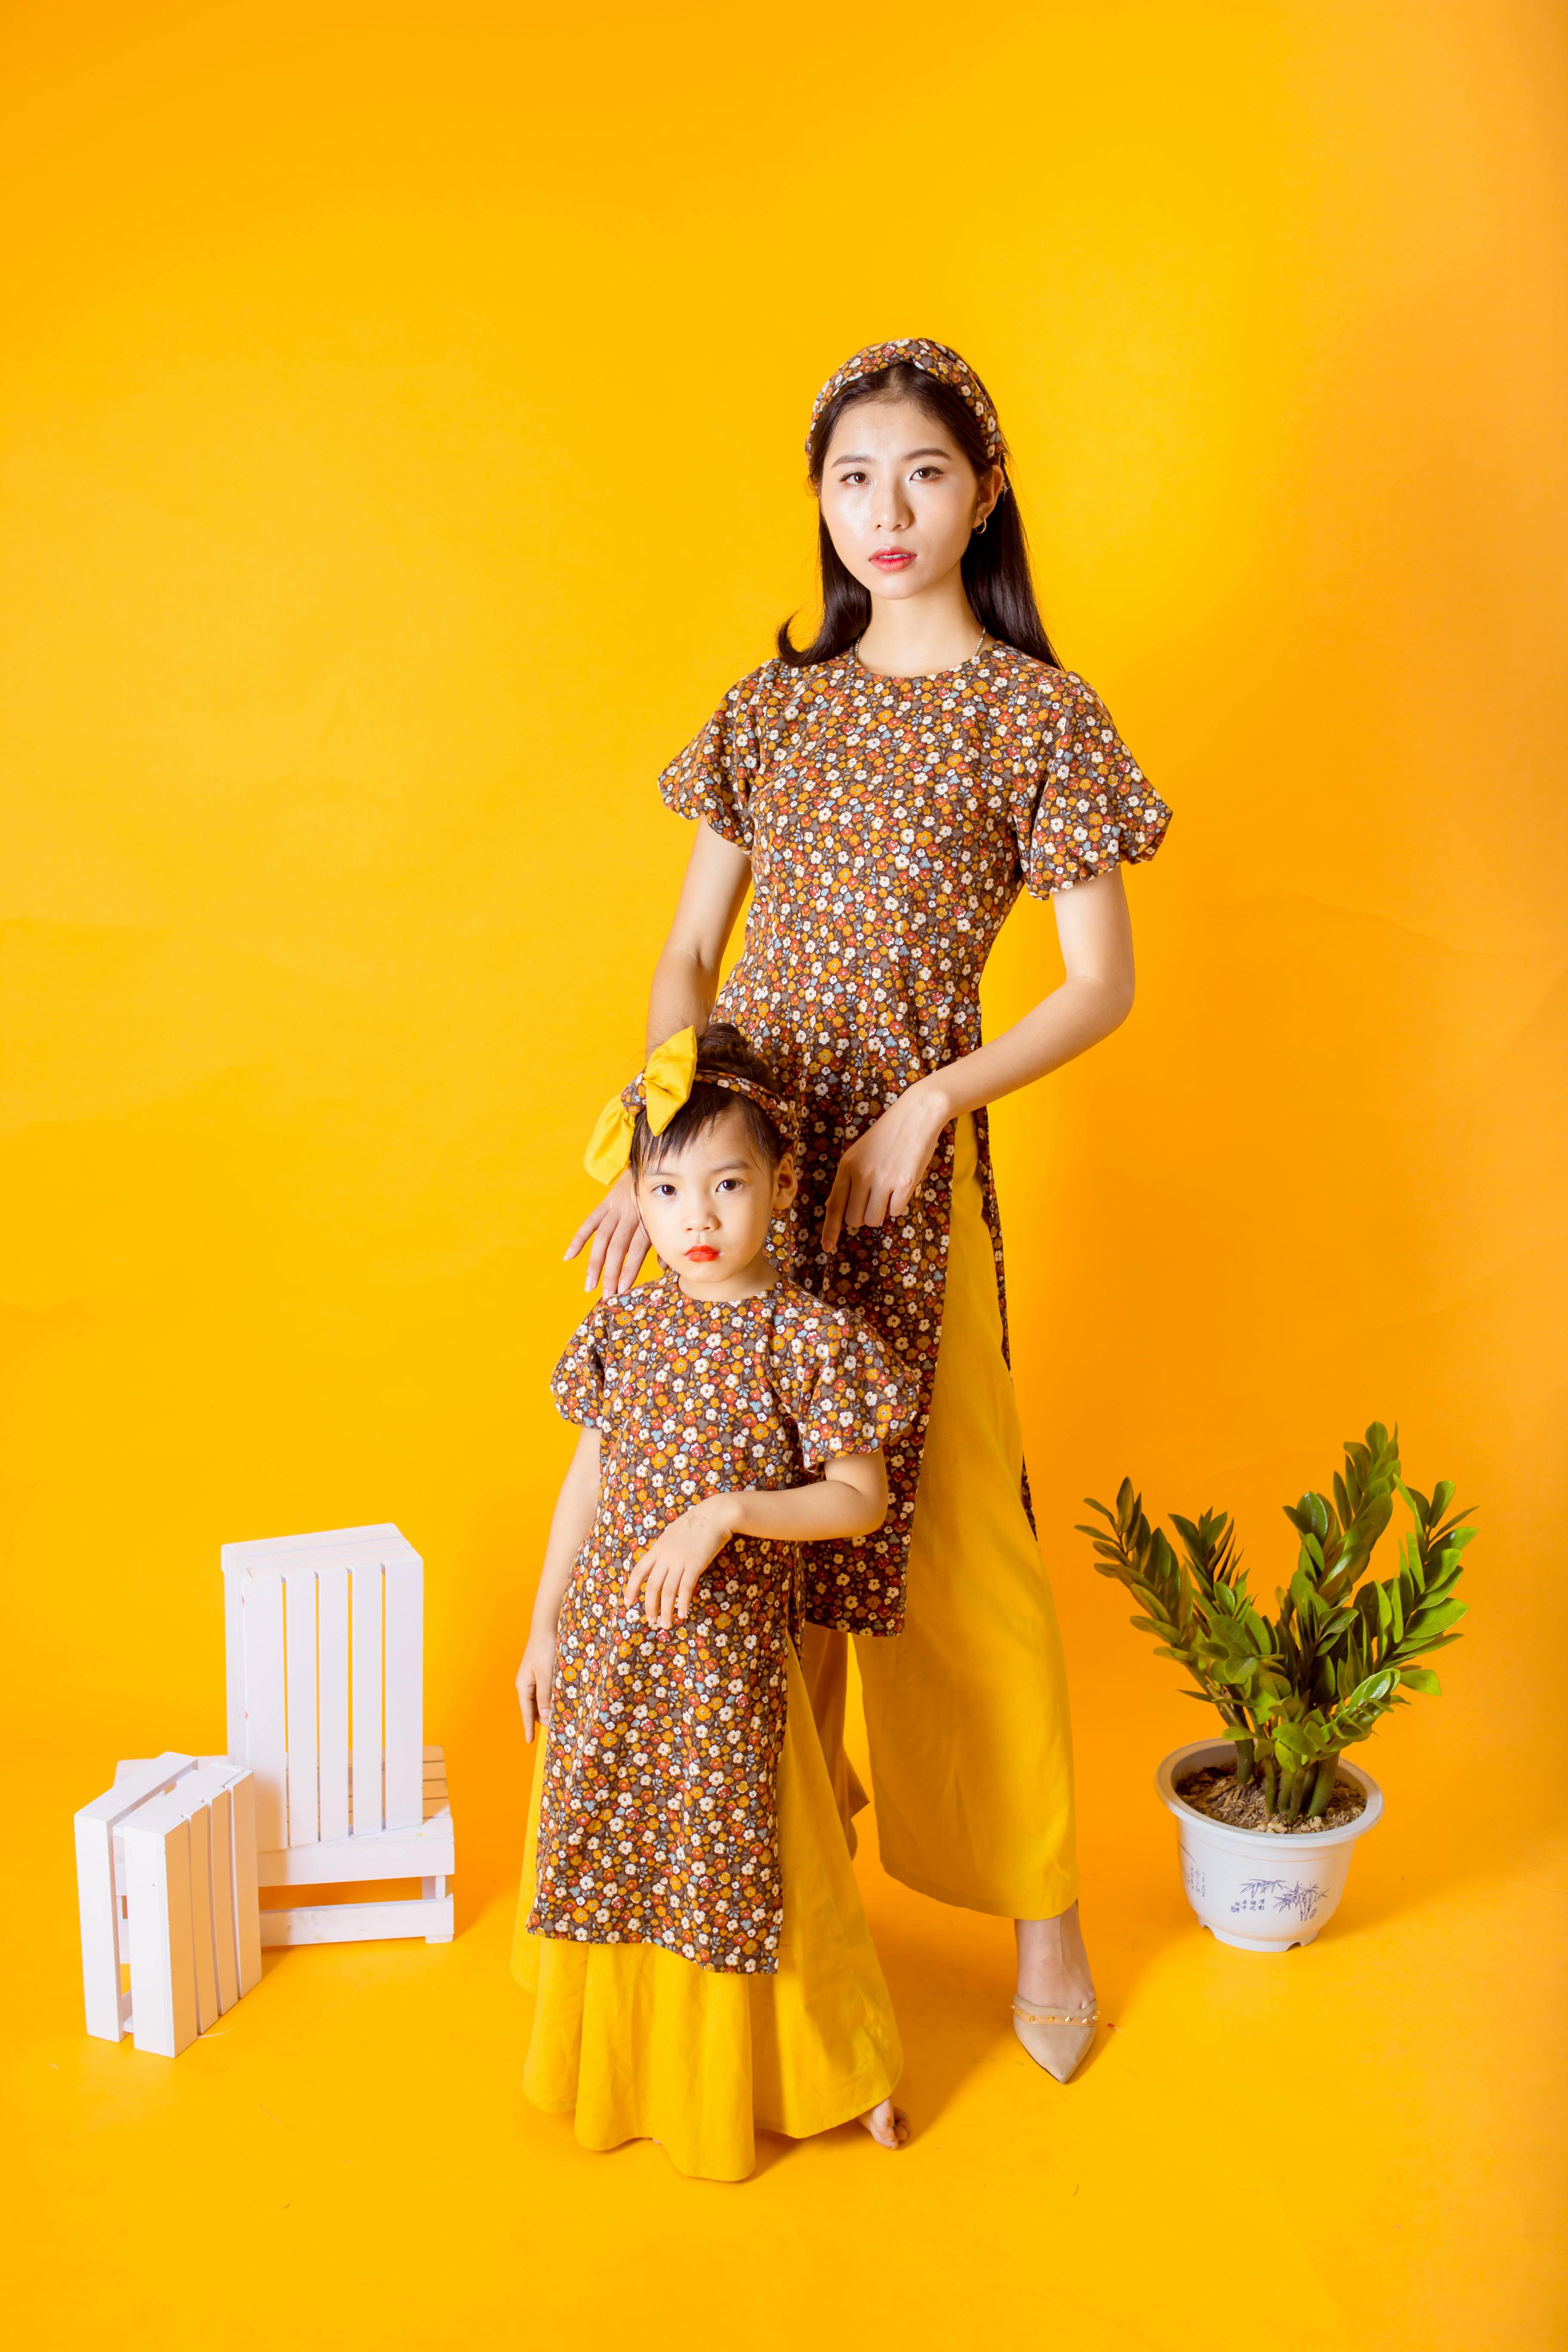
{"type": "Point", "coordinates": [279, 1554]}
{"type": "Point", "coordinates": [265, 1732]}
{"type": "Point", "coordinates": [203, 1949]}
{"type": "Point", "coordinates": [234, 1658]}
{"type": "Point", "coordinates": [213, 1784]}
{"type": "Point", "coordinates": [391, 1853]}
{"type": "Point", "coordinates": [405, 1693]}
{"type": "Point", "coordinates": [359, 1922]}
{"type": "Point", "coordinates": [135, 1782]}
{"type": "Point", "coordinates": [226, 1944]}
{"type": "Point", "coordinates": [96, 1903]}
{"type": "Point", "coordinates": [366, 1582]}
{"type": "Point", "coordinates": [121, 1909]}
{"type": "Point", "coordinates": [162, 1960]}
{"type": "Point", "coordinates": [332, 1698]}
{"type": "Point", "coordinates": [247, 1932]}
{"type": "Point", "coordinates": [300, 1634]}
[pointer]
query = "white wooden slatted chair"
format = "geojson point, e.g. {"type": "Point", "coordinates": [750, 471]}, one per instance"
{"type": "Point", "coordinates": [165, 1867]}
{"type": "Point", "coordinates": [324, 1638]}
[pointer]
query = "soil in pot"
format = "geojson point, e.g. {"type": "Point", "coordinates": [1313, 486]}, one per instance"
{"type": "Point", "coordinates": [1216, 1793]}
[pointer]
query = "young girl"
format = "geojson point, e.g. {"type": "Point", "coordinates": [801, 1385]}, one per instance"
{"type": "Point", "coordinates": [689, 1919]}
{"type": "Point", "coordinates": [885, 793]}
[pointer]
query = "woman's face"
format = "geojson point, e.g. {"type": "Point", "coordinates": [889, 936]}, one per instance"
{"type": "Point", "coordinates": [899, 498]}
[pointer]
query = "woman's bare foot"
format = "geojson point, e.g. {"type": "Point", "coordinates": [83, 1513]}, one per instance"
{"type": "Point", "coordinates": [887, 2125]}
{"type": "Point", "coordinates": [1053, 1966]}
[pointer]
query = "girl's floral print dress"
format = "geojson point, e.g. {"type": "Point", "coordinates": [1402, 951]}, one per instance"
{"type": "Point", "coordinates": [890, 823]}
{"type": "Point", "coordinates": [658, 1819]}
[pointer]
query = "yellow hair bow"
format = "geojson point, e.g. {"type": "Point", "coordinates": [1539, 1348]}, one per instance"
{"type": "Point", "coordinates": [660, 1089]}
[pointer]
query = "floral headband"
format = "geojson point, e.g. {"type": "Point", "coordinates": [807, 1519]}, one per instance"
{"type": "Point", "coordinates": [659, 1090]}
{"type": "Point", "coordinates": [936, 360]}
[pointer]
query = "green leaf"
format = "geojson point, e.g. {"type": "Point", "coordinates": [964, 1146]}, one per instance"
{"type": "Point", "coordinates": [1421, 1678]}
{"type": "Point", "coordinates": [1427, 1620]}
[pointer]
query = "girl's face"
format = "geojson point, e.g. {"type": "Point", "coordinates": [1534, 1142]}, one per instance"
{"type": "Point", "coordinates": [708, 1210]}
{"type": "Point", "coordinates": [899, 498]}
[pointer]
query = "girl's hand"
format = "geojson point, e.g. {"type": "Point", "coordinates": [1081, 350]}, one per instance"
{"type": "Point", "coordinates": [620, 1244]}
{"type": "Point", "coordinates": [536, 1682]}
{"type": "Point", "coordinates": [878, 1175]}
{"type": "Point", "coordinates": [671, 1569]}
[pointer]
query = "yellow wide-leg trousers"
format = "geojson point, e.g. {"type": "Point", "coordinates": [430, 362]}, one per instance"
{"type": "Point", "coordinates": [966, 1710]}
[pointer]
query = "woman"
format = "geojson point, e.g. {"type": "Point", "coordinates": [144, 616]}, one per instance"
{"type": "Point", "coordinates": [886, 792]}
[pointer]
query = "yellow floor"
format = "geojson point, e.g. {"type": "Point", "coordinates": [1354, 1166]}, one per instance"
{"type": "Point", "coordinates": [1353, 2146]}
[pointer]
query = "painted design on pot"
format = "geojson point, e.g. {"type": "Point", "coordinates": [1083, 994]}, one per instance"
{"type": "Point", "coordinates": [1254, 1894]}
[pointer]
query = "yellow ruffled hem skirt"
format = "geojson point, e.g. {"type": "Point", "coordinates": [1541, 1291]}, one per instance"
{"type": "Point", "coordinates": [966, 1710]}
{"type": "Point", "coordinates": [638, 2043]}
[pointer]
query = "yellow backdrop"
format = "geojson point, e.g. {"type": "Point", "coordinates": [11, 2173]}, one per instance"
{"type": "Point", "coordinates": [403, 421]}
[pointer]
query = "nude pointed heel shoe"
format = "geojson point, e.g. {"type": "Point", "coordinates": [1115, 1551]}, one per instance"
{"type": "Point", "coordinates": [1056, 2039]}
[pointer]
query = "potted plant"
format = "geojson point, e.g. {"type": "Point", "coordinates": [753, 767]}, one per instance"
{"type": "Point", "coordinates": [1268, 1815]}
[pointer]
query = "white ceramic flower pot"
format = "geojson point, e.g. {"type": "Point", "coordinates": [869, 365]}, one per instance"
{"type": "Point", "coordinates": [1260, 1891]}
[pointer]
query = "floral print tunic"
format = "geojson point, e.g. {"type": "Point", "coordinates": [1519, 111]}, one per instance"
{"type": "Point", "coordinates": [891, 823]}
{"type": "Point", "coordinates": [657, 1823]}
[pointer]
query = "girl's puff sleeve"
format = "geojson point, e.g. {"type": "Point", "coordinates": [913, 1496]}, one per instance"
{"type": "Point", "coordinates": [1080, 804]}
{"type": "Point", "coordinates": [577, 1383]}
{"type": "Point", "coordinates": [853, 1400]}
{"type": "Point", "coordinates": [714, 776]}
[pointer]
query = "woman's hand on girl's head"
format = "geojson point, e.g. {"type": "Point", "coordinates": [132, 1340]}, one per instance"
{"type": "Point", "coordinates": [878, 1175]}
{"type": "Point", "coordinates": [619, 1242]}
{"type": "Point", "coordinates": [536, 1682]}
{"type": "Point", "coordinates": [671, 1569]}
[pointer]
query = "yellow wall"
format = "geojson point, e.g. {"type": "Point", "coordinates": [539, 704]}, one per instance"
{"type": "Point", "coordinates": [403, 418]}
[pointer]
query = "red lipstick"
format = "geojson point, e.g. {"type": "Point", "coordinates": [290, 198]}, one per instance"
{"type": "Point", "coordinates": [893, 558]}
{"type": "Point", "coordinates": [702, 1256]}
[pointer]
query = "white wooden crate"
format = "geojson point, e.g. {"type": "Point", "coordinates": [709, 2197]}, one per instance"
{"type": "Point", "coordinates": [165, 1866]}
{"type": "Point", "coordinates": [324, 1640]}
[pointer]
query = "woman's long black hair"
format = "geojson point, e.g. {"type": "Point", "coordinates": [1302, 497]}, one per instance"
{"type": "Point", "coordinates": [995, 567]}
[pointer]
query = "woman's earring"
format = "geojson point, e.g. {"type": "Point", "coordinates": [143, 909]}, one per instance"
{"type": "Point", "coordinates": [979, 527]}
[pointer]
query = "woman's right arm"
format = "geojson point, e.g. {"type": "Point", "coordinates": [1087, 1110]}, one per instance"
{"type": "Point", "coordinates": [685, 983]}
{"type": "Point", "coordinates": [686, 977]}
{"type": "Point", "coordinates": [569, 1532]}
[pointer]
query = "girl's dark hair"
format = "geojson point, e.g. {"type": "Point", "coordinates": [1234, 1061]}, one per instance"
{"type": "Point", "coordinates": [720, 1048]}
{"type": "Point", "coordinates": [995, 565]}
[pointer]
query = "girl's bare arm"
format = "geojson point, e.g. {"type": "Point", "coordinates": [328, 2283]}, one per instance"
{"type": "Point", "coordinates": [850, 1500]}
{"type": "Point", "coordinates": [685, 983]}
{"type": "Point", "coordinates": [878, 1175]}
{"type": "Point", "coordinates": [569, 1530]}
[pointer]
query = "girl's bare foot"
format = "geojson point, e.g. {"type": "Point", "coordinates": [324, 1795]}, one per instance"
{"type": "Point", "coordinates": [887, 2125]}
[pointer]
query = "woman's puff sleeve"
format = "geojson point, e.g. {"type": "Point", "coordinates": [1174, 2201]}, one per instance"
{"type": "Point", "coordinates": [1080, 805]}
{"type": "Point", "coordinates": [852, 1400]}
{"type": "Point", "coordinates": [577, 1383]}
{"type": "Point", "coordinates": [714, 776]}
